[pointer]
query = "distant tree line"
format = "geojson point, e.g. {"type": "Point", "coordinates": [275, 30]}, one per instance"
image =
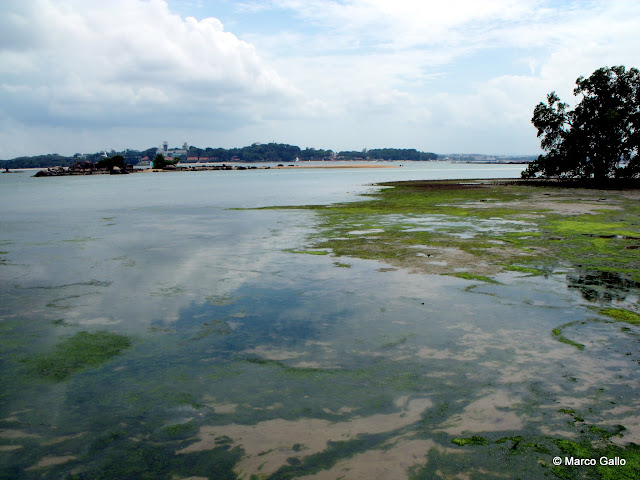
{"type": "Point", "coordinates": [279, 152]}
{"type": "Point", "coordinates": [389, 154]}
{"type": "Point", "coordinates": [258, 152]}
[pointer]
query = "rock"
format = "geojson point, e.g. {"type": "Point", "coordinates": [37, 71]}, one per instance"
{"type": "Point", "coordinates": [84, 168]}
{"type": "Point", "coordinates": [51, 172]}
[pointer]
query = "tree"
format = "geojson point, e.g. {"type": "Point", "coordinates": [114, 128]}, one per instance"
{"type": "Point", "coordinates": [600, 137]}
{"type": "Point", "coordinates": [109, 163]}
{"type": "Point", "coordinates": [160, 162]}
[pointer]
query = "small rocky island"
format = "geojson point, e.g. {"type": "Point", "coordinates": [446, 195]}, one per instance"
{"type": "Point", "coordinates": [84, 168]}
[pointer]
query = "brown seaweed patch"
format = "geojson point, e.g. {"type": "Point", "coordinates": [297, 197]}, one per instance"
{"type": "Point", "coordinates": [51, 461]}
{"type": "Point", "coordinates": [487, 414]}
{"type": "Point", "coordinates": [226, 408]}
{"type": "Point", "coordinates": [472, 474]}
{"type": "Point", "coordinates": [444, 354]}
{"type": "Point", "coordinates": [10, 433]}
{"type": "Point", "coordinates": [269, 444]}
{"type": "Point", "coordinates": [631, 421]}
{"type": "Point", "coordinates": [273, 353]}
{"type": "Point", "coordinates": [9, 448]}
{"type": "Point", "coordinates": [394, 460]}
{"type": "Point", "coordinates": [220, 300]}
{"type": "Point", "coordinates": [56, 440]}
{"type": "Point", "coordinates": [340, 411]}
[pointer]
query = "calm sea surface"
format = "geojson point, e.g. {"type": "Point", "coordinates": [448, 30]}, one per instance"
{"type": "Point", "coordinates": [248, 359]}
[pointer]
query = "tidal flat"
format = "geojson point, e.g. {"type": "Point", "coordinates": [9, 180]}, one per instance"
{"type": "Point", "coordinates": [453, 329]}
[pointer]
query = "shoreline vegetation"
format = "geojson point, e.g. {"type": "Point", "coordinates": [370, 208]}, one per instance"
{"type": "Point", "coordinates": [480, 229]}
{"type": "Point", "coordinates": [486, 227]}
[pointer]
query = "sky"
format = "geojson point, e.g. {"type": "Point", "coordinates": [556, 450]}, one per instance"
{"type": "Point", "coordinates": [454, 76]}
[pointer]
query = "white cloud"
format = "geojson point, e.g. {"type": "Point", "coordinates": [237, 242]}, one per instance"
{"type": "Point", "coordinates": [127, 62]}
{"type": "Point", "coordinates": [460, 75]}
{"type": "Point", "coordinates": [399, 60]}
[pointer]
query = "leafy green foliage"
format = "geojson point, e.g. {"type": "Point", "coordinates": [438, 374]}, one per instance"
{"type": "Point", "coordinates": [410, 154]}
{"type": "Point", "coordinates": [161, 162]}
{"type": "Point", "coordinates": [109, 163]}
{"type": "Point", "coordinates": [599, 136]}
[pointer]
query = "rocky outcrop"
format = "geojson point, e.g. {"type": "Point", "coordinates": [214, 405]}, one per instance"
{"type": "Point", "coordinates": [82, 168]}
{"type": "Point", "coordinates": [51, 172]}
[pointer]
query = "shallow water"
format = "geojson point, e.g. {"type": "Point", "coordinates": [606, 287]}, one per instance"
{"type": "Point", "coordinates": [246, 356]}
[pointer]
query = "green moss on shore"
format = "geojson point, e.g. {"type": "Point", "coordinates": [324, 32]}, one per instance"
{"type": "Point", "coordinates": [472, 276]}
{"type": "Point", "coordinates": [622, 315]}
{"type": "Point", "coordinates": [502, 225]}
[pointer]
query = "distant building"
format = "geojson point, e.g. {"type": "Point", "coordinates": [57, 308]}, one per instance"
{"type": "Point", "coordinates": [173, 152]}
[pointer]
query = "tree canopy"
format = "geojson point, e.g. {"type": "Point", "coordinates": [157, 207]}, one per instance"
{"type": "Point", "coordinates": [109, 163]}
{"type": "Point", "coordinates": [600, 137]}
{"type": "Point", "coordinates": [159, 161]}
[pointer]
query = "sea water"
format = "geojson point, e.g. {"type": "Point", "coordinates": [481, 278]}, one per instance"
{"type": "Point", "coordinates": [247, 359]}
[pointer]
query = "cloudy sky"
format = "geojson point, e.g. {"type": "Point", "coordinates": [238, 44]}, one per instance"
{"type": "Point", "coordinates": [444, 76]}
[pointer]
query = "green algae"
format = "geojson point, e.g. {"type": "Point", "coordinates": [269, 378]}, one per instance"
{"type": "Point", "coordinates": [604, 241]}
{"type": "Point", "coordinates": [594, 443]}
{"type": "Point", "coordinates": [220, 300]}
{"type": "Point", "coordinates": [474, 440]}
{"type": "Point", "coordinates": [398, 341]}
{"type": "Point", "coordinates": [473, 276]}
{"type": "Point", "coordinates": [212, 327]}
{"type": "Point", "coordinates": [79, 352]}
{"type": "Point", "coordinates": [585, 449]}
{"type": "Point", "coordinates": [557, 334]}
{"type": "Point", "coordinates": [521, 269]}
{"type": "Point", "coordinates": [296, 371]}
{"type": "Point", "coordinates": [186, 429]}
{"type": "Point", "coordinates": [393, 221]}
{"type": "Point", "coordinates": [622, 315]}
{"type": "Point", "coordinates": [124, 458]}
{"type": "Point", "coordinates": [308, 252]}
{"type": "Point", "coordinates": [171, 291]}
{"type": "Point", "coordinates": [570, 411]}
{"type": "Point", "coordinates": [342, 265]}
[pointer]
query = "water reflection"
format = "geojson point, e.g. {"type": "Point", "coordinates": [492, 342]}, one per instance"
{"type": "Point", "coordinates": [235, 340]}
{"type": "Point", "coordinates": [602, 287]}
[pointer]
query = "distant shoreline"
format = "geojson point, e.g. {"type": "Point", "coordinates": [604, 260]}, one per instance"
{"type": "Point", "coordinates": [67, 172]}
